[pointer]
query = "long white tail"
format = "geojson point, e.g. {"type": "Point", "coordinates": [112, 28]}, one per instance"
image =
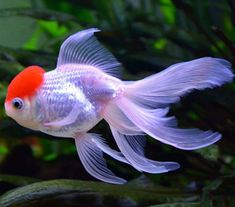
{"type": "Point", "coordinates": [166, 87]}
{"type": "Point", "coordinates": [144, 105]}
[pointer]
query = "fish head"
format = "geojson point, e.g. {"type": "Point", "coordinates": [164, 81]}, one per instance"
{"type": "Point", "coordinates": [21, 96]}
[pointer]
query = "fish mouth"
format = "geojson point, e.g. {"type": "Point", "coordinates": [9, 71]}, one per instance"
{"type": "Point", "coordinates": [7, 106]}
{"type": "Point", "coordinates": [9, 110]}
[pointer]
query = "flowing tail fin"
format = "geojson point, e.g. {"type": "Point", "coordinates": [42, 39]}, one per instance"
{"type": "Point", "coordinates": [166, 87]}
{"type": "Point", "coordinates": [144, 103]}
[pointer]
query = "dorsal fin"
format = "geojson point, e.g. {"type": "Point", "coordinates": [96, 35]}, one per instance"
{"type": "Point", "coordinates": [82, 48]}
{"type": "Point", "coordinates": [26, 83]}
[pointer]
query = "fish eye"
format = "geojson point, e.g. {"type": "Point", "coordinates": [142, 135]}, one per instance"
{"type": "Point", "coordinates": [18, 103]}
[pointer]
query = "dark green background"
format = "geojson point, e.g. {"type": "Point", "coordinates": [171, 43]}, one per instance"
{"type": "Point", "coordinates": [146, 36]}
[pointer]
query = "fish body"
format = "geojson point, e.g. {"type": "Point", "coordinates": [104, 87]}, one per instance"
{"type": "Point", "coordinates": [63, 93]}
{"type": "Point", "coordinates": [85, 88]}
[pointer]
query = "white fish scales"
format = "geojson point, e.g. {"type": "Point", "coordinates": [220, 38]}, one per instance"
{"type": "Point", "coordinates": [72, 101]}
{"type": "Point", "coordinates": [85, 88]}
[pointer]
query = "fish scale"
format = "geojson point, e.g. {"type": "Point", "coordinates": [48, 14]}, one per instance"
{"type": "Point", "coordinates": [62, 92]}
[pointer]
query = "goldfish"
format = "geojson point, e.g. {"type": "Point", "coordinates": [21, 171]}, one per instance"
{"type": "Point", "coordinates": [85, 88]}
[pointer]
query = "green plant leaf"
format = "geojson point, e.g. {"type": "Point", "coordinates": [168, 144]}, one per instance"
{"type": "Point", "coordinates": [209, 153]}
{"type": "Point", "coordinates": [177, 205]}
{"type": "Point", "coordinates": [40, 191]}
{"type": "Point", "coordinates": [3, 150]}
{"type": "Point", "coordinates": [17, 180]}
{"type": "Point", "coordinates": [37, 14]}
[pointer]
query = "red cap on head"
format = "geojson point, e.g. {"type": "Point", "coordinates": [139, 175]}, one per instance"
{"type": "Point", "coordinates": [26, 83]}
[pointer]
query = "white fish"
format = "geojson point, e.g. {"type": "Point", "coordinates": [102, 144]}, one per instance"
{"type": "Point", "coordinates": [84, 89]}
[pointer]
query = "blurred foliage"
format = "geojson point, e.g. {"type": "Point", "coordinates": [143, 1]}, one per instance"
{"type": "Point", "coordinates": [146, 36]}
